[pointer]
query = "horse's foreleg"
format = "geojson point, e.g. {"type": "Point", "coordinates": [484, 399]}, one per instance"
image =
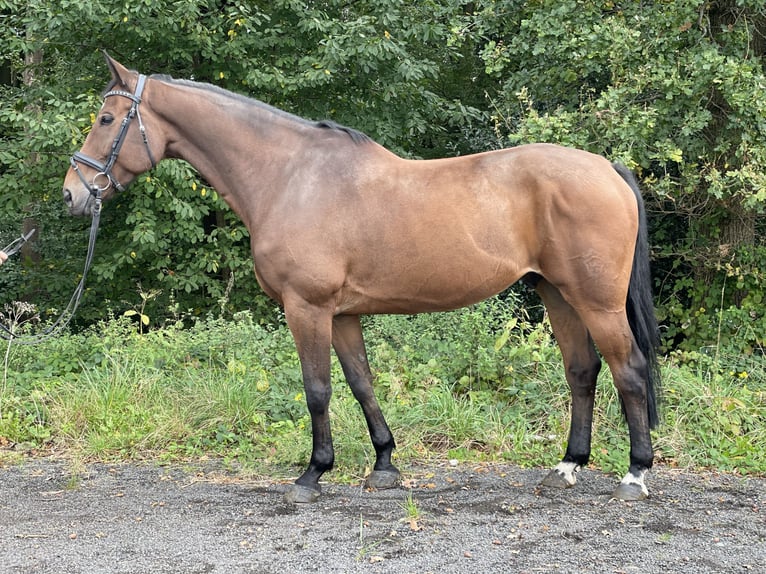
{"type": "Point", "coordinates": [349, 346]}
{"type": "Point", "coordinates": [311, 328]}
{"type": "Point", "coordinates": [582, 365]}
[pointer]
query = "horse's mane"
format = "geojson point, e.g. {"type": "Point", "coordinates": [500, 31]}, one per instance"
{"type": "Point", "coordinates": [355, 135]}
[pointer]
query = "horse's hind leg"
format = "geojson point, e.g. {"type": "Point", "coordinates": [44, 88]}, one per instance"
{"type": "Point", "coordinates": [614, 338]}
{"type": "Point", "coordinates": [582, 365]}
{"type": "Point", "coordinates": [349, 346]}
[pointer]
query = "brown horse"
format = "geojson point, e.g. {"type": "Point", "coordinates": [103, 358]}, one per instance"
{"type": "Point", "coordinates": [341, 227]}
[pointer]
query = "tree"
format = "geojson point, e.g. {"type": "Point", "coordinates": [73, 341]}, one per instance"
{"type": "Point", "coordinates": [675, 91]}
{"type": "Point", "coordinates": [375, 66]}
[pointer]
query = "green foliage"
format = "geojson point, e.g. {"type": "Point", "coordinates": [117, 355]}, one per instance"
{"type": "Point", "coordinates": [721, 402]}
{"type": "Point", "coordinates": [233, 389]}
{"type": "Point", "coordinates": [676, 93]}
{"type": "Point", "coordinates": [476, 342]}
{"type": "Point", "coordinates": [673, 90]}
{"type": "Point", "coordinates": [727, 315]}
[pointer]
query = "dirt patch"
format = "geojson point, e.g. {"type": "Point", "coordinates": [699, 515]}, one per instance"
{"type": "Point", "coordinates": [141, 519]}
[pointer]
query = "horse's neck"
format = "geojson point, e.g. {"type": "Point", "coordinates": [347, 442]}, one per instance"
{"type": "Point", "coordinates": [232, 145]}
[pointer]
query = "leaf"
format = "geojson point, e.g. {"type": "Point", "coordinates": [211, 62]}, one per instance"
{"type": "Point", "coordinates": [505, 335]}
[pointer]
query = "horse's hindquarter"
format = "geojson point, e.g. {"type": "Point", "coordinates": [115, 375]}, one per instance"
{"type": "Point", "coordinates": [588, 235]}
{"type": "Point", "coordinates": [394, 235]}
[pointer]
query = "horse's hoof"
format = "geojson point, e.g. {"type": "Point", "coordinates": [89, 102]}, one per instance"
{"type": "Point", "coordinates": [555, 479]}
{"type": "Point", "coordinates": [382, 479]}
{"type": "Point", "coordinates": [632, 487]}
{"type": "Point", "coordinates": [562, 476]}
{"type": "Point", "coordinates": [299, 494]}
{"type": "Point", "coordinates": [630, 492]}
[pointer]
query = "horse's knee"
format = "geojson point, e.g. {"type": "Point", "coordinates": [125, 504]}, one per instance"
{"type": "Point", "coordinates": [318, 398]}
{"type": "Point", "coordinates": [361, 388]}
{"type": "Point", "coordinates": [583, 374]}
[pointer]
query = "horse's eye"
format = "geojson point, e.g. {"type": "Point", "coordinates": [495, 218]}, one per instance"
{"type": "Point", "coordinates": [106, 120]}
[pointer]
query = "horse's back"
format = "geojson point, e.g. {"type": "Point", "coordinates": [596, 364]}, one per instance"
{"type": "Point", "coordinates": [377, 233]}
{"type": "Point", "coordinates": [438, 234]}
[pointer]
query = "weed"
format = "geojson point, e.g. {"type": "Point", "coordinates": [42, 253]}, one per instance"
{"type": "Point", "coordinates": [366, 548]}
{"type": "Point", "coordinates": [139, 311]}
{"type": "Point", "coordinates": [412, 514]}
{"type": "Point", "coordinates": [77, 471]}
{"type": "Point", "coordinates": [14, 318]}
{"type": "Point", "coordinates": [410, 507]}
{"type": "Point", "coordinates": [664, 538]}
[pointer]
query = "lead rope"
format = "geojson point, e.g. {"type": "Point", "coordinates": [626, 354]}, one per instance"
{"type": "Point", "coordinates": [74, 302]}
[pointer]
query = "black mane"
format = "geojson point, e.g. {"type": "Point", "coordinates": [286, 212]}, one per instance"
{"type": "Point", "coordinates": [356, 136]}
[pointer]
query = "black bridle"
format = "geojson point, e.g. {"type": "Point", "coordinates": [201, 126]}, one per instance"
{"type": "Point", "coordinates": [104, 170]}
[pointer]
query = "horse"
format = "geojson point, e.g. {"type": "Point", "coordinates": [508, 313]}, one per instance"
{"type": "Point", "coordinates": [341, 227]}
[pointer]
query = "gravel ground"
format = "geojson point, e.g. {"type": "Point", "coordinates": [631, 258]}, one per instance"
{"type": "Point", "coordinates": [445, 519]}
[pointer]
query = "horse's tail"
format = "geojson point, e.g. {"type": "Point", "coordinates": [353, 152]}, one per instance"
{"type": "Point", "coordinates": [640, 306]}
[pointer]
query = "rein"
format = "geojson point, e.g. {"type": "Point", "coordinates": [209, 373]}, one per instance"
{"type": "Point", "coordinates": [74, 302]}
{"type": "Point", "coordinates": [103, 170]}
{"type": "Point", "coordinates": [18, 243]}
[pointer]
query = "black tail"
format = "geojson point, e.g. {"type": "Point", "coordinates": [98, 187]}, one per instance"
{"type": "Point", "coordinates": [640, 306]}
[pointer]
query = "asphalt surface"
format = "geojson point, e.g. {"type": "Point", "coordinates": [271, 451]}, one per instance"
{"type": "Point", "coordinates": [445, 519]}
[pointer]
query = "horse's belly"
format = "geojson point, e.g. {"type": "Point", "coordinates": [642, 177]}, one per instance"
{"type": "Point", "coordinates": [432, 286]}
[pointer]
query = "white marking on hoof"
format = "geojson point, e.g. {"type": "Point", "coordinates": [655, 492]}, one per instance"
{"type": "Point", "coordinates": [632, 487]}
{"type": "Point", "coordinates": [637, 480]}
{"type": "Point", "coordinates": [568, 471]}
{"type": "Point", "coordinates": [562, 475]}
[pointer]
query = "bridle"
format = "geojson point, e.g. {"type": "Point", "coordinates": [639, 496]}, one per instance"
{"type": "Point", "coordinates": [104, 170]}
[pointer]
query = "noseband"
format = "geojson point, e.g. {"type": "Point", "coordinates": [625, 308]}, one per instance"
{"type": "Point", "coordinates": [104, 170]}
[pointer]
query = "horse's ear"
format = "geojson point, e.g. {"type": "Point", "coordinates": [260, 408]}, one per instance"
{"type": "Point", "coordinates": [120, 73]}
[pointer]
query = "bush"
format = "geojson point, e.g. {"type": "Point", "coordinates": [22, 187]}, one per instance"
{"type": "Point", "coordinates": [479, 383]}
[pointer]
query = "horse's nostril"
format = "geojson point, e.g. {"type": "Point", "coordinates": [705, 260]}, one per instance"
{"type": "Point", "coordinates": [68, 197]}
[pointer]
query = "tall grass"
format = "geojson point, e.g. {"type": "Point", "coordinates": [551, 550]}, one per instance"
{"type": "Point", "coordinates": [482, 383]}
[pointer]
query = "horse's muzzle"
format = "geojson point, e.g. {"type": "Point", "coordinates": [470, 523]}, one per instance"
{"type": "Point", "coordinates": [84, 207]}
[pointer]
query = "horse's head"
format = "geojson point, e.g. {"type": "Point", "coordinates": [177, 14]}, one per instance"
{"type": "Point", "coordinates": [119, 147]}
